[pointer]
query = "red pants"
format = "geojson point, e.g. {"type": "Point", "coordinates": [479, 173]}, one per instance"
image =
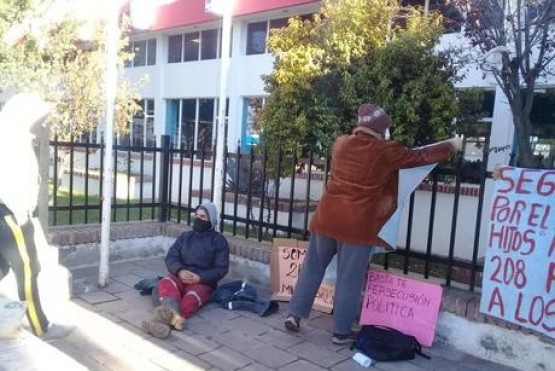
{"type": "Point", "coordinates": [190, 297]}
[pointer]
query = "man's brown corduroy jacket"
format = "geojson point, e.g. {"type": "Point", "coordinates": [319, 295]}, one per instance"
{"type": "Point", "coordinates": [361, 193]}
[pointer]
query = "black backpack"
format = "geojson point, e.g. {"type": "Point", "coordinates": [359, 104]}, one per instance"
{"type": "Point", "coordinates": [386, 344]}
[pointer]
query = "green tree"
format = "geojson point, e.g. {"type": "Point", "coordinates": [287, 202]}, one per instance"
{"type": "Point", "coordinates": [41, 51]}
{"type": "Point", "coordinates": [514, 41]}
{"type": "Point", "coordinates": [351, 52]}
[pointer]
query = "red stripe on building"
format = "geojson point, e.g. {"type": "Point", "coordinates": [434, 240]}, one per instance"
{"type": "Point", "coordinates": [188, 12]}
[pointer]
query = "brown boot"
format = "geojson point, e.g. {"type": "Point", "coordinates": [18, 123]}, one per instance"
{"type": "Point", "coordinates": [170, 317]}
{"type": "Point", "coordinates": [156, 328]}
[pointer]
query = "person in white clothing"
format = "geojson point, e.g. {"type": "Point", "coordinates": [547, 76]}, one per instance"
{"type": "Point", "coordinates": [20, 230]}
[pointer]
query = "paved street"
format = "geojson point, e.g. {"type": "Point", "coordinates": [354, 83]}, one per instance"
{"type": "Point", "coordinates": [108, 337]}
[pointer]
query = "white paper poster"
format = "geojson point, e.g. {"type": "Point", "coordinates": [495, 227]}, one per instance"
{"type": "Point", "coordinates": [409, 179]}
{"type": "Point", "coordinates": [519, 267]}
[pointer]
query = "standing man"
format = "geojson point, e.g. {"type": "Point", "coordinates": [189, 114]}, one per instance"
{"type": "Point", "coordinates": [360, 197]}
{"type": "Point", "coordinates": [19, 121]}
{"type": "Point", "coordinates": [196, 262]}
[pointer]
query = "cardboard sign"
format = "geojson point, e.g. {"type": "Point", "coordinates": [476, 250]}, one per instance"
{"type": "Point", "coordinates": [404, 304]}
{"type": "Point", "coordinates": [519, 268]}
{"type": "Point", "coordinates": [285, 265]}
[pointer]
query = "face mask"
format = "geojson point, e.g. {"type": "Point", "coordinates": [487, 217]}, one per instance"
{"type": "Point", "coordinates": [200, 225]}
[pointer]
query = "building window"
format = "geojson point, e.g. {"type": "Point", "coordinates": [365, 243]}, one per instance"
{"type": "Point", "coordinates": [543, 128]}
{"type": "Point", "coordinates": [194, 46]}
{"type": "Point", "coordinates": [175, 48]}
{"type": "Point", "coordinates": [191, 123]}
{"type": "Point", "coordinates": [151, 52]}
{"type": "Point", "coordinates": [209, 44]}
{"type": "Point", "coordinates": [188, 123]}
{"type": "Point", "coordinates": [144, 53]}
{"type": "Point", "coordinates": [257, 34]}
{"type": "Point", "coordinates": [474, 122]}
{"type": "Point", "coordinates": [206, 120]}
{"type": "Point", "coordinates": [141, 130]}
{"type": "Point", "coordinates": [251, 129]}
{"type": "Point", "coordinates": [256, 38]}
{"type": "Point", "coordinates": [139, 53]}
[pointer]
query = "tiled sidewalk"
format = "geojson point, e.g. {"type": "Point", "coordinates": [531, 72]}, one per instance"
{"type": "Point", "coordinates": [108, 335]}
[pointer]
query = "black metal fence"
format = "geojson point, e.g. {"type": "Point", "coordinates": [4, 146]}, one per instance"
{"type": "Point", "coordinates": [265, 196]}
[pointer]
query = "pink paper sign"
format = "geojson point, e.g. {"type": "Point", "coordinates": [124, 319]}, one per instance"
{"type": "Point", "coordinates": [404, 304]}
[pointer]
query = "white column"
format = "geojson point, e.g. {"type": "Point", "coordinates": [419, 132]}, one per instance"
{"type": "Point", "coordinates": [159, 101]}
{"type": "Point", "coordinates": [502, 131]}
{"type": "Point", "coordinates": [112, 39]}
{"type": "Point", "coordinates": [224, 75]}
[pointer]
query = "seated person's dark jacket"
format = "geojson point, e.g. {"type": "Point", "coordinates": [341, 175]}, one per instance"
{"type": "Point", "coordinates": [206, 254]}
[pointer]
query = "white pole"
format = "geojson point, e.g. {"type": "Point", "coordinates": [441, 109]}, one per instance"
{"type": "Point", "coordinates": [112, 37]}
{"type": "Point", "coordinates": [220, 132]}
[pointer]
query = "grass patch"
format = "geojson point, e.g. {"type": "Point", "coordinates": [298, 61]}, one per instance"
{"type": "Point", "coordinates": [86, 210]}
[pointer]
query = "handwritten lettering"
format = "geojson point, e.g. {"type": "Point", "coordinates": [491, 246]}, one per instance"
{"type": "Point", "coordinates": [510, 238]}
{"type": "Point", "coordinates": [509, 272]}
{"type": "Point", "coordinates": [384, 306]}
{"type": "Point", "coordinates": [325, 294]}
{"type": "Point", "coordinates": [545, 184]}
{"type": "Point", "coordinates": [406, 304]}
{"type": "Point", "coordinates": [539, 213]}
{"type": "Point", "coordinates": [290, 264]}
{"type": "Point", "coordinates": [292, 253]}
{"type": "Point", "coordinates": [294, 270]}
{"type": "Point", "coordinates": [286, 289]}
{"type": "Point", "coordinates": [550, 277]}
{"type": "Point", "coordinates": [518, 279]}
{"type": "Point", "coordinates": [502, 211]}
{"type": "Point", "coordinates": [497, 149]}
{"type": "Point", "coordinates": [391, 292]}
{"type": "Point", "coordinates": [532, 311]}
{"type": "Point", "coordinates": [380, 277]}
{"type": "Point", "coordinates": [550, 313]}
{"type": "Point", "coordinates": [496, 301]}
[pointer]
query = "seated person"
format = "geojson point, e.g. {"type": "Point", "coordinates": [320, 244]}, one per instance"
{"type": "Point", "coordinates": [196, 261]}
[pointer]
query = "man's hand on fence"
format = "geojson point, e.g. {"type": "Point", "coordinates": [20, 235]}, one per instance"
{"type": "Point", "coordinates": [497, 171]}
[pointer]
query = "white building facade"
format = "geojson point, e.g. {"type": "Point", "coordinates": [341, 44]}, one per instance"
{"type": "Point", "coordinates": [180, 56]}
{"type": "Point", "coordinates": [181, 61]}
